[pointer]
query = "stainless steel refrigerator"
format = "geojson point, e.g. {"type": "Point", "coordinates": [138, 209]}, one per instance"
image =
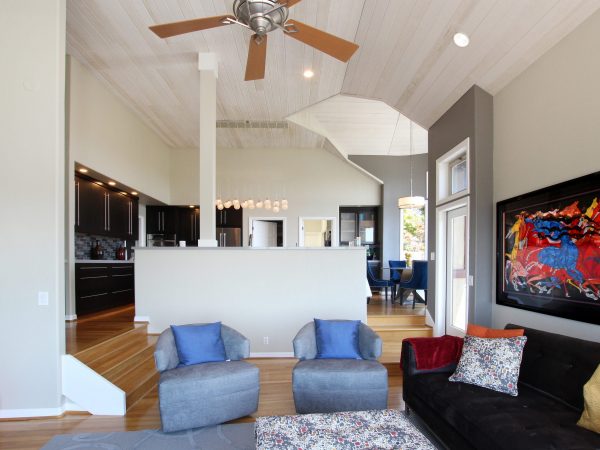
{"type": "Point", "coordinates": [229, 237]}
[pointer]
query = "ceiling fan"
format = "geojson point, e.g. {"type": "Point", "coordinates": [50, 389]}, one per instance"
{"type": "Point", "coordinates": [262, 17]}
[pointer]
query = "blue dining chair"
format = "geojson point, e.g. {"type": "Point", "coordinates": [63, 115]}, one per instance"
{"type": "Point", "coordinates": [396, 275]}
{"type": "Point", "coordinates": [418, 281]}
{"type": "Point", "coordinates": [375, 282]}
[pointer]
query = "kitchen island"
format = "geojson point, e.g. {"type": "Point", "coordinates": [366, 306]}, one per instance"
{"type": "Point", "coordinates": [267, 294]}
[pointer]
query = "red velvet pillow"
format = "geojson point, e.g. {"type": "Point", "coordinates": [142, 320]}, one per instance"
{"type": "Point", "coordinates": [485, 332]}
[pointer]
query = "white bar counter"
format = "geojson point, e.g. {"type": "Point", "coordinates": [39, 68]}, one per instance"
{"type": "Point", "coordinates": [266, 294]}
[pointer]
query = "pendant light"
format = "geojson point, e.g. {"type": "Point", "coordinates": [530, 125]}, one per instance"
{"type": "Point", "coordinates": [412, 201]}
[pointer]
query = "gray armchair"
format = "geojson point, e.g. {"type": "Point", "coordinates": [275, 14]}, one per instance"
{"type": "Point", "coordinates": [205, 394]}
{"type": "Point", "coordinates": [331, 385]}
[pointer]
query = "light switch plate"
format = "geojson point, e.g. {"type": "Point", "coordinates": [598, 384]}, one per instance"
{"type": "Point", "coordinates": [42, 298]}
{"type": "Point", "coordinates": [432, 256]}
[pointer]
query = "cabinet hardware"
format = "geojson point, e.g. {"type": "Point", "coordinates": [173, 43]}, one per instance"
{"type": "Point", "coordinates": [108, 209]}
{"type": "Point", "coordinates": [122, 290]}
{"type": "Point", "coordinates": [124, 275]}
{"type": "Point", "coordinates": [93, 267]}
{"type": "Point", "coordinates": [91, 278]}
{"type": "Point", "coordinates": [93, 295]}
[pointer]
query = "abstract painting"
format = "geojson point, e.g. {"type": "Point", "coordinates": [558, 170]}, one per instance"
{"type": "Point", "coordinates": [548, 250]}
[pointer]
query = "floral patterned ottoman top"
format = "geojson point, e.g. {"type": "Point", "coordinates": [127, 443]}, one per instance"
{"type": "Point", "coordinates": [386, 429]}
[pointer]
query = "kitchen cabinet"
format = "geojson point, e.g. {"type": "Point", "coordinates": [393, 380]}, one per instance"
{"type": "Point", "coordinates": [189, 226]}
{"type": "Point", "coordinates": [104, 212]}
{"type": "Point", "coordinates": [101, 285]}
{"type": "Point", "coordinates": [230, 218]}
{"type": "Point", "coordinates": [90, 207]}
{"type": "Point", "coordinates": [162, 220]}
{"type": "Point", "coordinates": [363, 222]}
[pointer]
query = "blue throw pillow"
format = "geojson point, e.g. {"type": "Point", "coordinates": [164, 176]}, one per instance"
{"type": "Point", "coordinates": [337, 339]}
{"type": "Point", "coordinates": [199, 343]}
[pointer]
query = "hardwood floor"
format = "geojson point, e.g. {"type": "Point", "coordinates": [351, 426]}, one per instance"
{"type": "Point", "coordinates": [275, 393]}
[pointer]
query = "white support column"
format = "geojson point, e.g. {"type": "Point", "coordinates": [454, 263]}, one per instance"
{"type": "Point", "coordinates": [207, 65]}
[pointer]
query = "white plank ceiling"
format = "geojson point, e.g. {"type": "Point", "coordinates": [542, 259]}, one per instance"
{"type": "Point", "coordinates": [406, 59]}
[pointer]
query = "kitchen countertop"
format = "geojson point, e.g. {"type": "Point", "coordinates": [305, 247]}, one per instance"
{"type": "Point", "coordinates": [100, 261]}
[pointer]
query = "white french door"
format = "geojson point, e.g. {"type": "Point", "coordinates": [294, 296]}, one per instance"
{"type": "Point", "coordinates": [457, 270]}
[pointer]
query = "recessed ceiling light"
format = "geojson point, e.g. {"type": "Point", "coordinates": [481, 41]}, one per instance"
{"type": "Point", "coordinates": [461, 39]}
{"type": "Point", "coordinates": [83, 170]}
{"type": "Point", "coordinates": [191, 206]}
{"type": "Point", "coordinates": [124, 193]}
{"type": "Point", "coordinates": [112, 183]}
{"type": "Point", "coordinates": [134, 193]}
{"type": "Point", "coordinates": [99, 183]}
{"type": "Point", "coordinates": [308, 73]}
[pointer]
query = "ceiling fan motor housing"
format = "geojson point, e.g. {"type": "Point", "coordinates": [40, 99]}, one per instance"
{"type": "Point", "coordinates": [255, 14]}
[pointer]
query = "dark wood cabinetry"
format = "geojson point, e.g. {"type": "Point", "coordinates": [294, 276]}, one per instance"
{"type": "Point", "coordinates": [363, 222]}
{"type": "Point", "coordinates": [102, 285]}
{"type": "Point", "coordinates": [189, 226]}
{"type": "Point", "coordinates": [104, 212]}
{"type": "Point", "coordinates": [230, 218]}
{"type": "Point", "coordinates": [162, 220]}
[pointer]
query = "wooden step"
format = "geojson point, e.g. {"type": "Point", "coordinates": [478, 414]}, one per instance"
{"type": "Point", "coordinates": [138, 381]}
{"type": "Point", "coordinates": [99, 351]}
{"type": "Point", "coordinates": [126, 360]}
{"type": "Point", "coordinates": [398, 319]}
{"type": "Point", "coordinates": [392, 336]}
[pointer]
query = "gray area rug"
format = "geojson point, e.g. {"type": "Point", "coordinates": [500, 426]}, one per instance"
{"type": "Point", "coordinates": [236, 436]}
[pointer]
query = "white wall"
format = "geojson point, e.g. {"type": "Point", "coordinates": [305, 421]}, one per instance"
{"type": "Point", "coordinates": [546, 130]}
{"type": "Point", "coordinates": [314, 181]}
{"type": "Point", "coordinates": [259, 292]}
{"type": "Point", "coordinates": [111, 139]}
{"type": "Point", "coordinates": [32, 83]}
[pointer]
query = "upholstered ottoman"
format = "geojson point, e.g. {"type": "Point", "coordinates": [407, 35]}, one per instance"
{"type": "Point", "coordinates": [205, 394]}
{"type": "Point", "coordinates": [331, 385]}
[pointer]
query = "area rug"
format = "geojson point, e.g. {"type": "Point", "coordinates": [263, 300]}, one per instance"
{"type": "Point", "coordinates": [237, 436]}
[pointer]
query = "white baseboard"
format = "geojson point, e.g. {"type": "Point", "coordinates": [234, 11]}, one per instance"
{"type": "Point", "coordinates": [141, 319]}
{"type": "Point", "coordinates": [272, 355]}
{"type": "Point", "coordinates": [70, 317]}
{"type": "Point", "coordinates": [34, 412]}
{"type": "Point", "coordinates": [68, 405]}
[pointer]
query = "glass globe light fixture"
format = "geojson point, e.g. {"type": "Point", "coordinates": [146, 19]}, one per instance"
{"type": "Point", "coordinates": [244, 204]}
{"type": "Point", "coordinates": [275, 209]}
{"type": "Point", "coordinates": [228, 204]}
{"type": "Point", "coordinates": [220, 206]}
{"type": "Point", "coordinates": [276, 204]}
{"type": "Point", "coordinates": [259, 204]}
{"type": "Point", "coordinates": [284, 204]}
{"type": "Point", "coordinates": [267, 204]}
{"type": "Point", "coordinates": [237, 206]}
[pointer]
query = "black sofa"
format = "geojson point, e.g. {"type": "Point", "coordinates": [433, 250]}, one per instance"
{"type": "Point", "coordinates": [543, 416]}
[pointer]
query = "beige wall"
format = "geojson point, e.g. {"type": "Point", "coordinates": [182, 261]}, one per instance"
{"type": "Point", "coordinates": [260, 292]}
{"type": "Point", "coordinates": [32, 179]}
{"type": "Point", "coordinates": [111, 139]}
{"type": "Point", "coordinates": [314, 181]}
{"type": "Point", "coordinates": [546, 130]}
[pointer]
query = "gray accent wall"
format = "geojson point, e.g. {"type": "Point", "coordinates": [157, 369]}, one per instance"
{"type": "Point", "coordinates": [546, 132]}
{"type": "Point", "coordinates": [394, 171]}
{"type": "Point", "coordinates": [470, 117]}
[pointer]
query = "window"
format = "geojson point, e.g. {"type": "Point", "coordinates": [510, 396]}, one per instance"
{"type": "Point", "coordinates": [458, 175]}
{"type": "Point", "coordinates": [452, 174]}
{"type": "Point", "coordinates": [412, 239]}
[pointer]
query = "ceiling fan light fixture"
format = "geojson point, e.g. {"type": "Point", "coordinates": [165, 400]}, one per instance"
{"type": "Point", "coordinates": [308, 73]}
{"type": "Point", "coordinates": [461, 40]}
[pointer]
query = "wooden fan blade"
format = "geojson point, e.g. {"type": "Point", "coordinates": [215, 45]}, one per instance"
{"type": "Point", "coordinates": [290, 3]}
{"type": "Point", "coordinates": [257, 58]}
{"type": "Point", "coordinates": [166, 30]}
{"type": "Point", "coordinates": [327, 43]}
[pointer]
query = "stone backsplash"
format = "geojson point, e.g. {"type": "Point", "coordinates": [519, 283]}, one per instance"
{"type": "Point", "coordinates": [85, 242]}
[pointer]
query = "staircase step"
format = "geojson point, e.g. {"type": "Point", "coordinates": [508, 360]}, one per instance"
{"type": "Point", "coordinates": [118, 363]}
{"type": "Point", "coordinates": [399, 319]}
{"type": "Point", "coordinates": [115, 344]}
{"type": "Point", "coordinates": [392, 336]}
{"type": "Point", "coordinates": [138, 381]}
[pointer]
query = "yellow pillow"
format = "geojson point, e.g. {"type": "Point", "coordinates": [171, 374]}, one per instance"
{"type": "Point", "coordinates": [590, 418]}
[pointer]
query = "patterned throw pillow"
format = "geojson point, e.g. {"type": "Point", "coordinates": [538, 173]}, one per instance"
{"type": "Point", "coordinates": [491, 363]}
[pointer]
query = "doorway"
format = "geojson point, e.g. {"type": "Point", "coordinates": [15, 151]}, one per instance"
{"type": "Point", "coordinates": [317, 232]}
{"type": "Point", "coordinates": [456, 272]}
{"type": "Point", "coordinates": [267, 232]}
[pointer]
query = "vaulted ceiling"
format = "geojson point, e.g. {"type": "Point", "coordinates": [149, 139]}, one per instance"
{"type": "Point", "coordinates": [406, 59]}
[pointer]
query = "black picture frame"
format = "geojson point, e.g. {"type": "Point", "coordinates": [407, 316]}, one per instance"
{"type": "Point", "coordinates": [548, 250]}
